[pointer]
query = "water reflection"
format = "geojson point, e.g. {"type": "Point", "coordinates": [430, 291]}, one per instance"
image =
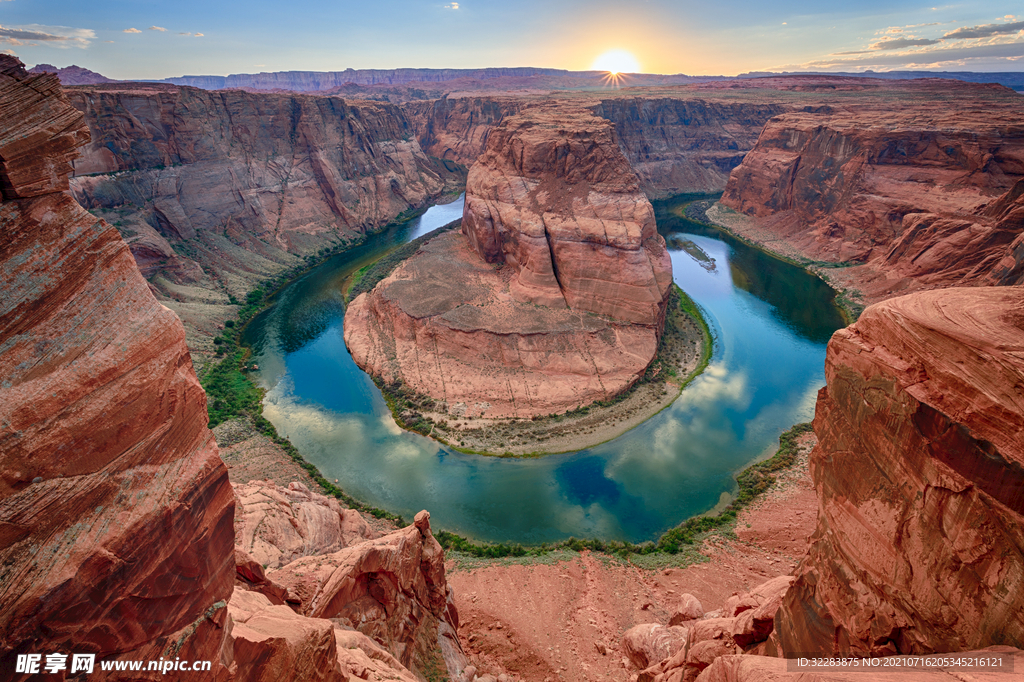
{"type": "Point", "coordinates": [771, 320]}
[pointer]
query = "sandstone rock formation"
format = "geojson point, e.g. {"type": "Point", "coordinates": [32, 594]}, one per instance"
{"type": "Point", "coordinates": [216, 191]}
{"type": "Point", "coordinates": [922, 550]}
{"type": "Point", "coordinates": [115, 510]}
{"type": "Point", "coordinates": [573, 305]}
{"type": "Point", "coordinates": [910, 192]}
{"type": "Point", "coordinates": [276, 525]}
{"type": "Point", "coordinates": [391, 589]}
{"type": "Point", "coordinates": [680, 652]}
{"type": "Point", "coordinates": [553, 196]}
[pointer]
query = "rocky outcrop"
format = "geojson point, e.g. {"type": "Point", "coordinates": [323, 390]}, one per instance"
{"type": "Point", "coordinates": [217, 190]}
{"type": "Point", "coordinates": [277, 525]}
{"type": "Point", "coordinates": [554, 198]}
{"type": "Point", "coordinates": [115, 510]}
{"type": "Point", "coordinates": [905, 192]}
{"type": "Point", "coordinates": [391, 589]}
{"type": "Point", "coordinates": [681, 651]}
{"type": "Point", "coordinates": [679, 145]}
{"type": "Point", "coordinates": [923, 550]}
{"type": "Point", "coordinates": [494, 322]}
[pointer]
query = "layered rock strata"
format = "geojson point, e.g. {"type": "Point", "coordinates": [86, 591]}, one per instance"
{"type": "Point", "coordinates": [923, 550]}
{"type": "Point", "coordinates": [391, 589]}
{"type": "Point", "coordinates": [276, 525]}
{"type": "Point", "coordinates": [103, 436]}
{"type": "Point", "coordinates": [217, 190]}
{"type": "Point", "coordinates": [554, 295]}
{"type": "Point", "coordinates": [116, 512]}
{"type": "Point", "coordinates": [911, 194]}
{"type": "Point", "coordinates": [681, 145]}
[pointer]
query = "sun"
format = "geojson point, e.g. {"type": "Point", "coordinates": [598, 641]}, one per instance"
{"type": "Point", "coordinates": [616, 62]}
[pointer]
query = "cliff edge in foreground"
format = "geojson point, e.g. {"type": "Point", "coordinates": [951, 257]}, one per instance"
{"type": "Point", "coordinates": [920, 477]}
{"type": "Point", "coordinates": [553, 297]}
{"type": "Point", "coordinates": [115, 509]}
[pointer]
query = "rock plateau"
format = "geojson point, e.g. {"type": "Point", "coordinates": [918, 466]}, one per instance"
{"type": "Point", "coordinates": [553, 296]}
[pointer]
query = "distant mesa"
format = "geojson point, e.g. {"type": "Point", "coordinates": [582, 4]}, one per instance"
{"type": "Point", "coordinates": [72, 75]}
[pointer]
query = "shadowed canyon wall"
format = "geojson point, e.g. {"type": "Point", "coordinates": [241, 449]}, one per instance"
{"type": "Point", "coordinates": [216, 190]}
{"type": "Point", "coordinates": [673, 145]}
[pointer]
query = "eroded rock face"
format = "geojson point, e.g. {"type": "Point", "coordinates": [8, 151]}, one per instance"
{"type": "Point", "coordinates": [115, 509]}
{"type": "Point", "coordinates": [495, 322]}
{"type": "Point", "coordinates": [392, 589]}
{"type": "Point", "coordinates": [277, 525]}
{"type": "Point", "coordinates": [685, 145]}
{"type": "Point", "coordinates": [221, 189]}
{"type": "Point", "coordinates": [554, 197]}
{"type": "Point", "coordinates": [905, 191]}
{"type": "Point", "coordinates": [923, 550]}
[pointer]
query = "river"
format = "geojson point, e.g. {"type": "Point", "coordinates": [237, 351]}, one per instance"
{"type": "Point", "coordinates": [771, 319]}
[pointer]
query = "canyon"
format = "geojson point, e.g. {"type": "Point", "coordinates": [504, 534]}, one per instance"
{"type": "Point", "coordinates": [103, 416]}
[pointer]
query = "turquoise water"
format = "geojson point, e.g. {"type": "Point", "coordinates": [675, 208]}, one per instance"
{"type": "Point", "coordinates": [771, 320]}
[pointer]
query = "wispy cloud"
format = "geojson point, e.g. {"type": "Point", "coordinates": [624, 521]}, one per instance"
{"type": "Point", "coordinates": [54, 36]}
{"type": "Point", "coordinates": [453, 5]}
{"type": "Point", "coordinates": [900, 43]}
{"type": "Point", "coordinates": [189, 33]}
{"type": "Point", "coordinates": [157, 28]}
{"type": "Point", "coordinates": [984, 31]}
{"type": "Point", "coordinates": [131, 30]}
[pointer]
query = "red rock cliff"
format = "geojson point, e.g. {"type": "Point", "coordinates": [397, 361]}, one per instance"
{"type": "Point", "coordinates": [212, 186]}
{"type": "Point", "coordinates": [115, 509]}
{"type": "Point", "coordinates": [920, 477]}
{"type": "Point", "coordinates": [905, 189]}
{"type": "Point", "coordinates": [554, 197]}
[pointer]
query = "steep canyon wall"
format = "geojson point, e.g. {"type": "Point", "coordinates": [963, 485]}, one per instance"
{"type": "Point", "coordinates": [916, 195]}
{"type": "Point", "coordinates": [216, 190]}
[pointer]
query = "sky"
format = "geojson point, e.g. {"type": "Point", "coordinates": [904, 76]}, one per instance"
{"type": "Point", "coordinates": [152, 39]}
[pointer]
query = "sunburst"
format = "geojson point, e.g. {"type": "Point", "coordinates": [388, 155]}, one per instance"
{"type": "Point", "coordinates": [617, 63]}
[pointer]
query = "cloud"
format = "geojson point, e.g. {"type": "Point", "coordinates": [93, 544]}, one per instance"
{"type": "Point", "coordinates": [131, 30]}
{"type": "Point", "coordinates": [900, 43]}
{"type": "Point", "coordinates": [931, 58]}
{"type": "Point", "coordinates": [157, 28]}
{"type": "Point", "coordinates": [55, 36]}
{"type": "Point", "coordinates": [453, 5]}
{"type": "Point", "coordinates": [197, 35]}
{"type": "Point", "coordinates": [984, 31]}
